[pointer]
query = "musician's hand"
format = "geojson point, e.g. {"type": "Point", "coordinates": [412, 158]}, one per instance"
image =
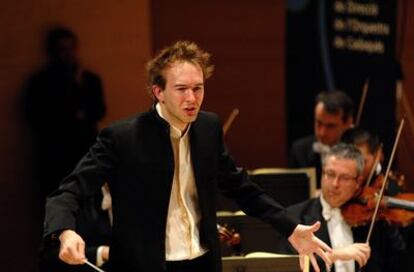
{"type": "Point", "coordinates": [306, 243]}
{"type": "Point", "coordinates": [360, 252]}
{"type": "Point", "coordinates": [72, 248]}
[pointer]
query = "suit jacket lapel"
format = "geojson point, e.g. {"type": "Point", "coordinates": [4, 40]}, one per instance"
{"type": "Point", "coordinates": [315, 214]}
{"type": "Point", "coordinates": [198, 140]}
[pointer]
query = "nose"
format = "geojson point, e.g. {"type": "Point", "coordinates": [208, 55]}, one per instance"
{"type": "Point", "coordinates": [322, 130]}
{"type": "Point", "coordinates": [190, 95]}
{"type": "Point", "coordinates": [335, 181]}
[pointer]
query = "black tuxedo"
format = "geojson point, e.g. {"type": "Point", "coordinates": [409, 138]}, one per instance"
{"type": "Point", "coordinates": [136, 158]}
{"type": "Point", "coordinates": [303, 155]}
{"type": "Point", "coordinates": [386, 242]}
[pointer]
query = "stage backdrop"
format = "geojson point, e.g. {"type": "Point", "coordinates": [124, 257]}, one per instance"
{"type": "Point", "coordinates": [340, 45]}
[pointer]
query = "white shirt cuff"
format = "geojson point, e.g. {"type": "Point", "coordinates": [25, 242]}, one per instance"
{"type": "Point", "coordinates": [99, 259]}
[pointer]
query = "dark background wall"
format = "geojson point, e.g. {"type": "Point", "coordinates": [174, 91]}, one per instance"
{"type": "Point", "coordinates": [321, 55]}
{"type": "Point", "coordinates": [115, 42]}
{"type": "Point", "coordinates": [405, 53]}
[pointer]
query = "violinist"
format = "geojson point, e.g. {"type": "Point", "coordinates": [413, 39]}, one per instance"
{"type": "Point", "coordinates": [341, 179]}
{"type": "Point", "coordinates": [370, 147]}
{"type": "Point", "coordinates": [332, 116]}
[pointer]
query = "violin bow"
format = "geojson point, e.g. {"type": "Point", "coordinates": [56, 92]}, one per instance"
{"type": "Point", "coordinates": [230, 120]}
{"type": "Point", "coordinates": [362, 102]}
{"type": "Point", "coordinates": [397, 138]}
{"type": "Point", "coordinates": [374, 166]}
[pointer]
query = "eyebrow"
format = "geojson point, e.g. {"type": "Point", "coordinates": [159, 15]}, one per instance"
{"type": "Point", "coordinates": [340, 174]}
{"type": "Point", "coordinates": [184, 85]}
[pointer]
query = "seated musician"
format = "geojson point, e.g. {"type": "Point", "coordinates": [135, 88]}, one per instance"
{"type": "Point", "coordinates": [342, 177]}
{"type": "Point", "coordinates": [369, 146]}
{"type": "Point", "coordinates": [332, 116]}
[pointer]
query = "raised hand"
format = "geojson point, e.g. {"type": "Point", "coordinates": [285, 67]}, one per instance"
{"type": "Point", "coordinates": [306, 243]}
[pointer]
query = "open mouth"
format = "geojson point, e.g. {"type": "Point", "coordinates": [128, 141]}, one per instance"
{"type": "Point", "coordinates": [191, 110]}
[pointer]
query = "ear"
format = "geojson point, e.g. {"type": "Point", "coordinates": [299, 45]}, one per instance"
{"type": "Point", "coordinates": [359, 181]}
{"type": "Point", "coordinates": [158, 93]}
{"type": "Point", "coordinates": [358, 185]}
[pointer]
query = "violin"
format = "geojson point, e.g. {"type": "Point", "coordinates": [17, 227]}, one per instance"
{"type": "Point", "coordinates": [396, 210]}
{"type": "Point", "coordinates": [370, 204]}
{"type": "Point", "coordinates": [396, 181]}
{"type": "Point", "coordinates": [230, 237]}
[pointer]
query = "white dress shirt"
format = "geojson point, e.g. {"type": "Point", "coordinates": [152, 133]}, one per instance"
{"type": "Point", "coordinates": [182, 240]}
{"type": "Point", "coordinates": [340, 234]}
{"type": "Point", "coordinates": [106, 204]}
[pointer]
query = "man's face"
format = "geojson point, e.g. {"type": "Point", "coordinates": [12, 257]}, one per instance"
{"type": "Point", "coordinates": [340, 180]}
{"type": "Point", "coordinates": [183, 94]}
{"type": "Point", "coordinates": [329, 127]}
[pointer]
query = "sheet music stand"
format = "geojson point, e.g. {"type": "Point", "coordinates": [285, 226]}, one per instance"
{"type": "Point", "coordinates": [282, 263]}
{"type": "Point", "coordinates": [287, 186]}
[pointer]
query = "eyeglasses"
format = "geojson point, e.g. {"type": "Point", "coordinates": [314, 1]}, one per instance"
{"type": "Point", "coordinates": [331, 175]}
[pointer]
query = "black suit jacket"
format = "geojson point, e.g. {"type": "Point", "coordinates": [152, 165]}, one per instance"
{"type": "Point", "coordinates": [92, 224]}
{"type": "Point", "coordinates": [386, 242]}
{"type": "Point", "coordinates": [136, 157]}
{"type": "Point", "coordinates": [302, 155]}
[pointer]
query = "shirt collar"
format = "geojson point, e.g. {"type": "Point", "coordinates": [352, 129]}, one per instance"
{"type": "Point", "coordinates": [320, 148]}
{"type": "Point", "coordinates": [328, 212]}
{"type": "Point", "coordinates": [174, 131]}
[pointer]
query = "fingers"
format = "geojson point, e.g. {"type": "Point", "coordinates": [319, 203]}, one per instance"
{"type": "Point", "coordinates": [322, 249]}
{"type": "Point", "coordinates": [70, 254]}
{"type": "Point", "coordinates": [328, 268]}
{"type": "Point", "coordinates": [307, 233]}
{"type": "Point", "coordinates": [358, 258]}
{"type": "Point", "coordinates": [366, 249]}
{"type": "Point", "coordinates": [72, 248]}
{"type": "Point", "coordinates": [306, 243]}
{"type": "Point", "coordinates": [306, 267]}
{"type": "Point", "coordinates": [314, 263]}
{"type": "Point", "coordinates": [302, 262]}
{"type": "Point", "coordinates": [81, 249]}
{"type": "Point", "coordinates": [315, 226]}
{"type": "Point", "coordinates": [305, 229]}
{"type": "Point", "coordinates": [358, 252]}
{"type": "Point", "coordinates": [325, 257]}
{"type": "Point", "coordinates": [363, 252]}
{"type": "Point", "coordinates": [322, 245]}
